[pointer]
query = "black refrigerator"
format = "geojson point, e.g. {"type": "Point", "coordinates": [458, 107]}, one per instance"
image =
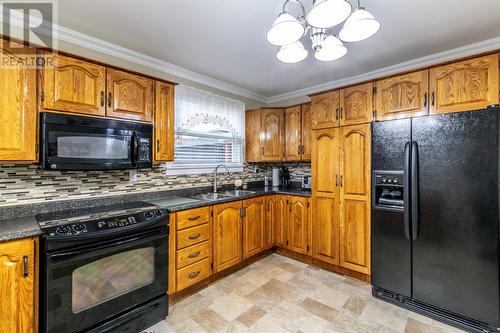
{"type": "Point", "coordinates": [435, 216]}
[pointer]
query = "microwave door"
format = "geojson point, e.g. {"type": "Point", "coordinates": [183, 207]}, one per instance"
{"type": "Point", "coordinates": [75, 148]}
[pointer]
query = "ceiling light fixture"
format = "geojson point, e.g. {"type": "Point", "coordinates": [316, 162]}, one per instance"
{"type": "Point", "coordinates": [287, 30]}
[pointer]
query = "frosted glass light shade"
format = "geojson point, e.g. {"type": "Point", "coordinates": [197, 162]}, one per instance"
{"type": "Point", "coordinates": [292, 53]}
{"type": "Point", "coordinates": [359, 26]}
{"type": "Point", "coordinates": [331, 49]}
{"type": "Point", "coordinates": [285, 30]}
{"type": "Point", "coordinates": [327, 13]}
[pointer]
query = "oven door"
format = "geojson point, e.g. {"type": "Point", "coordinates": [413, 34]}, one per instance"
{"type": "Point", "coordinates": [89, 285]}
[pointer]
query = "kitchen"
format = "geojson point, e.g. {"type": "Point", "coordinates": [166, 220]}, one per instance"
{"type": "Point", "coordinates": [331, 171]}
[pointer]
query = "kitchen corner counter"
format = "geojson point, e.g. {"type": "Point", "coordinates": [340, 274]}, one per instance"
{"type": "Point", "coordinates": [16, 228]}
{"type": "Point", "coordinates": [175, 204]}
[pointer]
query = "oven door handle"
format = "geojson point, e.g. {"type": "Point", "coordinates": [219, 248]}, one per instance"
{"type": "Point", "coordinates": [140, 238]}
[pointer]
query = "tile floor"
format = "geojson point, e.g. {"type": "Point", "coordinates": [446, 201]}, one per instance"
{"type": "Point", "coordinates": [278, 294]}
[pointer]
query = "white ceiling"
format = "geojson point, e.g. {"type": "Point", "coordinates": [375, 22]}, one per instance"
{"type": "Point", "coordinates": [225, 39]}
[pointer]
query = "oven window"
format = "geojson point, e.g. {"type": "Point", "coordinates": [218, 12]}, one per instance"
{"type": "Point", "coordinates": [111, 277]}
{"type": "Point", "coordinates": [93, 147]}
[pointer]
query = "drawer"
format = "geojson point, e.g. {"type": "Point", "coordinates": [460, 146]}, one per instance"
{"type": "Point", "coordinates": [191, 236]}
{"type": "Point", "coordinates": [193, 217]}
{"type": "Point", "coordinates": [192, 254]}
{"type": "Point", "coordinates": [191, 274]}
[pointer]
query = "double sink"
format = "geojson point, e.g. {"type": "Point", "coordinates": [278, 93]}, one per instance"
{"type": "Point", "coordinates": [214, 196]}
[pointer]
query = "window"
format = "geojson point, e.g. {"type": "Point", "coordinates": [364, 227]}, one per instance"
{"type": "Point", "coordinates": [209, 130]}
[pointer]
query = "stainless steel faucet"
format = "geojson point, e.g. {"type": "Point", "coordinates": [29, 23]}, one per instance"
{"type": "Point", "coordinates": [215, 175]}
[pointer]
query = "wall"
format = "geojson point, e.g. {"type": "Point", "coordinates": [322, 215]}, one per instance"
{"type": "Point", "coordinates": [23, 184]}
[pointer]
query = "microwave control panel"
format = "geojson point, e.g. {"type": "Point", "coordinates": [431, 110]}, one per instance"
{"type": "Point", "coordinates": [144, 150]}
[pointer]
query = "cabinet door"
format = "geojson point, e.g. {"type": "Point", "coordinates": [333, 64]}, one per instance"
{"type": "Point", "coordinates": [18, 113]}
{"type": "Point", "coordinates": [325, 162]}
{"type": "Point", "coordinates": [403, 96]}
{"type": "Point", "coordinates": [17, 313]}
{"type": "Point", "coordinates": [130, 96]}
{"type": "Point", "coordinates": [326, 228]}
{"type": "Point", "coordinates": [356, 104]}
{"type": "Point", "coordinates": [280, 220]}
{"type": "Point", "coordinates": [272, 131]}
{"type": "Point", "coordinates": [253, 151]}
{"type": "Point", "coordinates": [164, 122]}
{"type": "Point", "coordinates": [270, 203]}
{"type": "Point", "coordinates": [306, 132]}
{"type": "Point", "coordinates": [464, 86]}
{"type": "Point", "coordinates": [298, 223]}
{"type": "Point", "coordinates": [74, 85]}
{"type": "Point", "coordinates": [293, 130]}
{"type": "Point", "coordinates": [227, 235]}
{"type": "Point", "coordinates": [325, 110]}
{"type": "Point", "coordinates": [253, 227]}
{"type": "Point", "coordinates": [355, 198]}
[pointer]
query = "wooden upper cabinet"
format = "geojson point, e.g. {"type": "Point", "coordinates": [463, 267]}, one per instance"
{"type": "Point", "coordinates": [355, 198]}
{"type": "Point", "coordinates": [464, 86]}
{"type": "Point", "coordinates": [130, 96]}
{"type": "Point", "coordinates": [356, 104]}
{"type": "Point", "coordinates": [280, 220]}
{"type": "Point", "coordinates": [293, 125]}
{"type": "Point", "coordinates": [325, 162]}
{"type": "Point", "coordinates": [403, 96]}
{"type": "Point", "coordinates": [227, 235]}
{"type": "Point", "coordinates": [74, 85]}
{"type": "Point", "coordinates": [272, 134]}
{"type": "Point", "coordinates": [298, 222]}
{"type": "Point", "coordinates": [253, 151]}
{"type": "Point", "coordinates": [306, 131]}
{"type": "Point", "coordinates": [18, 113]}
{"type": "Point", "coordinates": [325, 110]}
{"type": "Point", "coordinates": [253, 227]}
{"type": "Point", "coordinates": [17, 292]}
{"type": "Point", "coordinates": [164, 122]}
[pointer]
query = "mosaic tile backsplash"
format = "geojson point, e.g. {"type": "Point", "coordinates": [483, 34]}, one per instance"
{"type": "Point", "coordinates": [22, 184]}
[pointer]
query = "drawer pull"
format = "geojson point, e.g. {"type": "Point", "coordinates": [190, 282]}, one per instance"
{"type": "Point", "coordinates": [194, 254]}
{"type": "Point", "coordinates": [194, 275]}
{"type": "Point", "coordinates": [194, 236]}
{"type": "Point", "coordinates": [192, 218]}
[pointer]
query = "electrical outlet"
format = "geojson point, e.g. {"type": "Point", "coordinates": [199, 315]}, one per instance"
{"type": "Point", "coordinates": [132, 175]}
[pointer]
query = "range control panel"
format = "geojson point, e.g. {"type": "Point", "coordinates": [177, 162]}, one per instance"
{"type": "Point", "coordinates": [96, 225]}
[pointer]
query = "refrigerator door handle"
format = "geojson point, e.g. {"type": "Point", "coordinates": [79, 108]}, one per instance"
{"type": "Point", "coordinates": [406, 192]}
{"type": "Point", "coordinates": [414, 191]}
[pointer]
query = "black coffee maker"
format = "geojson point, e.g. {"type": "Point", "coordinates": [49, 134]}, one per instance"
{"type": "Point", "coordinates": [285, 177]}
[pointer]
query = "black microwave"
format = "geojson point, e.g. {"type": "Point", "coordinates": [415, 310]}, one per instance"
{"type": "Point", "coordinates": [87, 143]}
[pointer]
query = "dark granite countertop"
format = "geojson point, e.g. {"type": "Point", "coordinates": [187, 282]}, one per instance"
{"type": "Point", "coordinates": [175, 204]}
{"type": "Point", "coordinates": [19, 221]}
{"type": "Point", "coordinates": [16, 228]}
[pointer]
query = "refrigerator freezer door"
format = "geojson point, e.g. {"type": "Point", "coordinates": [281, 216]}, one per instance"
{"type": "Point", "coordinates": [455, 254]}
{"type": "Point", "coordinates": [391, 250]}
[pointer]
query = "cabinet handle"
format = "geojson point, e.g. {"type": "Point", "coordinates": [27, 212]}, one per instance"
{"type": "Point", "coordinates": [336, 180]}
{"type": "Point", "coordinates": [110, 97]}
{"type": "Point", "coordinates": [102, 98]}
{"type": "Point", "coordinates": [194, 254]}
{"type": "Point", "coordinates": [432, 98]}
{"type": "Point", "coordinates": [158, 145]}
{"type": "Point", "coordinates": [340, 180]}
{"type": "Point", "coordinates": [298, 150]}
{"type": "Point", "coordinates": [193, 218]}
{"type": "Point", "coordinates": [25, 266]}
{"type": "Point", "coordinates": [194, 236]}
{"type": "Point", "coordinates": [341, 113]}
{"type": "Point", "coordinates": [194, 274]}
{"type": "Point", "coordinates": [337, 114]}
{"type": "Point", "coordinates": [262, 150]}
{"type": "Point", "coordinates": [425, 99]}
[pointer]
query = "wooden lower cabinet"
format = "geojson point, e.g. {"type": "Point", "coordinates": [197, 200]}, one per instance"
{"type": "Point", "coordinates": [253, 226]}
{"type": "Point", "coordinates": [227, 235]}
{"type": "Point", "coordinates": [326, 229]}
{"type": "Point", "coordinates": [17, 286]}
{"type": "Point", "coordinates": [298, 218]}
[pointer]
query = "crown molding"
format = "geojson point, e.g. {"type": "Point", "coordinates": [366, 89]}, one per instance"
{"type": "Point", "coordinates": [436, 58]}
